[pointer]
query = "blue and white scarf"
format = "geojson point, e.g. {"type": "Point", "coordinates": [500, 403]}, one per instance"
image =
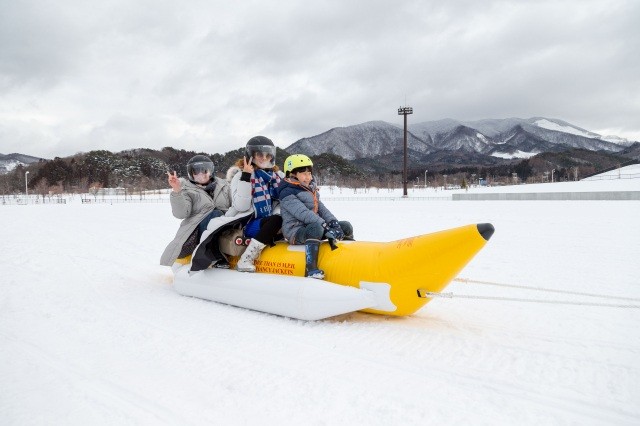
{"type": "Point", "coordinates": [265, 186]}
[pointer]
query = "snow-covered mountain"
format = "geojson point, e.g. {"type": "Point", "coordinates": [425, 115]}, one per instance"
{"type": "Point", "coordinates": [502, 138]}
{"type": "Point", "coordinates": [366, 140]}
{"type": "Point", "coordinates": [511, 135]}
{"type": "Point", "coordinates": [10, 161]}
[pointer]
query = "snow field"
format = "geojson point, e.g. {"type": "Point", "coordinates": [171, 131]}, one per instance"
{"type": "Point", "coordinates": [91, 330]}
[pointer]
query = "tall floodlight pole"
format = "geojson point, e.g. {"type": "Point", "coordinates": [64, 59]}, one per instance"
{"type": "Point", "coordinates": [405, 111]}
{"type": "Point", "coordinates": [26, 188]}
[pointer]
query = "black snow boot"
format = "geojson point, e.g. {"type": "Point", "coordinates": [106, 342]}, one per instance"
{"type": "Point", "coordinates": [311, 248]}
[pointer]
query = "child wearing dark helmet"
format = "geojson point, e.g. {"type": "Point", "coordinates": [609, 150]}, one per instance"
{"type": "Point", "coordinates": [305, 219]}
{"type": "Point", "coordinates": [196, 201]}
{"type": "Point", "coordinates": [254, 182]}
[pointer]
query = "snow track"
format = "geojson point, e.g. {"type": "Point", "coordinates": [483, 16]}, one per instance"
{"type": "Point", "coordinates": [92, 331]}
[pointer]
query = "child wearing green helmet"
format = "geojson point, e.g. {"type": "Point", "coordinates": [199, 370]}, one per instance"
{"type": "Point", "coordinates": [305, 219]}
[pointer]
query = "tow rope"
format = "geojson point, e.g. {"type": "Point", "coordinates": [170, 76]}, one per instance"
{"type": "Point", "coordinates": [429, 294]}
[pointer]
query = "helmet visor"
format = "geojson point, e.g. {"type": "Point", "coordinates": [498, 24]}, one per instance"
{"type": "Point", "coordinates": [263, 156]}
{"type": "Point", "coordinates": [198, 168]}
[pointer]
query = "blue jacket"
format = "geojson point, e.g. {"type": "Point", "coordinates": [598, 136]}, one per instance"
{"type": "Point", "coordinates": [300, 206]}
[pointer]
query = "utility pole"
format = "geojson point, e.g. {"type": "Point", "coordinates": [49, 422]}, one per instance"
{"type": "Point", "coordinates": [405, 111]}
{"type": "Point", "coordinates": [26, 187]}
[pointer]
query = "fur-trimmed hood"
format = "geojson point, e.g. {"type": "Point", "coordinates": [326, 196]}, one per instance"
{"type": "Point", "coordinates": [233, 170]}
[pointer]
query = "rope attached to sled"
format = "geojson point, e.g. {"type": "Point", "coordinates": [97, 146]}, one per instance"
{"type": "Point", "coordinates": [425, 294]}
{"type": "Point", "coordinates": [548, 290]}
{"type": "Point", "coordinates": [428, 294]}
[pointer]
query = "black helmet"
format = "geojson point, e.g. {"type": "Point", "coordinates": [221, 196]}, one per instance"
{"type": "Point", "coordinates": [261, 144]}
{"type": "Point", "coordinates": [199, 164]}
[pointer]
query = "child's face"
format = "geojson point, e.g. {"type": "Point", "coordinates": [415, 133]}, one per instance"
{"type": "Point", "coordinates": [202, 177]}
{"type": "Point", "coordinates": [304, 177]}
{"type": "Point", "coordinates": [263, 160]}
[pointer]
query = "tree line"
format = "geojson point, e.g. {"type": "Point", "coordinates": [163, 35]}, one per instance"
{"type": "Point", "coordinates": [146, 169]}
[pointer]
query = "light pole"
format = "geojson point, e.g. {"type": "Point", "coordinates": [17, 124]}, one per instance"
{"type": "Point", "coordinates": [405, 111]}
{"type": "Point", "coordinates": [26, 188]}
{"type": "Point", "coordinates": [425, 179]}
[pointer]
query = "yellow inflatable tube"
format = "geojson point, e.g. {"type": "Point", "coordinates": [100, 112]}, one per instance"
{"type": "Point", "coordinates": [398, 272]}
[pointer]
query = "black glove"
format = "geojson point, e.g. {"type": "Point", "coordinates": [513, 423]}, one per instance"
{"type": "Point", "coordinates": [334, 228]}
{"type": "Point", "coordinates": [330, 234]}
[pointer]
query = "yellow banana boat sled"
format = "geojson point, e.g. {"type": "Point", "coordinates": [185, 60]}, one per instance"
{"type": "Point", "coordinates": [388, 278]}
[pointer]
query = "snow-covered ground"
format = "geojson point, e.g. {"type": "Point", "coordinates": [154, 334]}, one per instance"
{"type": "Point", "coordinates": [91, 331]}
{"type": "Point", "coordinates": [624, 179]}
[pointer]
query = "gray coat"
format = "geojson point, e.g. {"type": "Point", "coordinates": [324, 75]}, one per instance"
{"type": "Point", "coordinates": [192, 204]}
{"type": "Point", "coordinates": [297, 204]}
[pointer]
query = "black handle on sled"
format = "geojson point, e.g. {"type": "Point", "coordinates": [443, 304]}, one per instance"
{"type": "Point", "coordinates": [332, 244]}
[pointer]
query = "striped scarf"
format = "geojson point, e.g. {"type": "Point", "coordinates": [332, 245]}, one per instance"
{"type": "Point", "coordinates": [265, 186]}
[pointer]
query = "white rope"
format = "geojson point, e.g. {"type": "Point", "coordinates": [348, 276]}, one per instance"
{"type": "Point", "coordinates": [549, 290]}
{"type": "Point", "coordinates": [513, 299]}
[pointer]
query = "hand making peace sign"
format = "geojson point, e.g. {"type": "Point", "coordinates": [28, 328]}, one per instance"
{"type": "Point", "coordinates": [174, 181]}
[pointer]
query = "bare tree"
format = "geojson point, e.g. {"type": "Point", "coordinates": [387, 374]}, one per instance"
{"type": "Point", "coordinates": [94, 188]}
{"type": "Point", "coordinates": [42, 188]}
{"type": "Point", "coordinates": [83, 185]}
{"type": "Point", "coordinates": [144, 183]}
{"type": "Point", "coordinates": [56, 189]}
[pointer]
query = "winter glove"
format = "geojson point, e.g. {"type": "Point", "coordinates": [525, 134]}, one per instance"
{"type": "Point", "coordinates": [336, 226]}
{"type": "Point", "coordinates": [332, 224]}
{"type": "Point", "coordinates": [333, 230]}
{"type": "Point", "coordinates": [330, 234]}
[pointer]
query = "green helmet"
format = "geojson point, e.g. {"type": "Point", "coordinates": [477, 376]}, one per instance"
{"type": "Point", "coordinates": [296, 161]}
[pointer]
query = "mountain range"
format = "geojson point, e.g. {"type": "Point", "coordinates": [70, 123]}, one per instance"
{"type": "Point", "coordinates": [449, 141]}
{"type": "Point", "coordinates": [378, 145]}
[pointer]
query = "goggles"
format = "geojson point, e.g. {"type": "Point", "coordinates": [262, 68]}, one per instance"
{"type": "Point", "coordinates": [196, 170]}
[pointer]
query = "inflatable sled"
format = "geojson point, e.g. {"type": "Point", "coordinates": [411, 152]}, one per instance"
{"type": "Point", "coordinates": [383, 278]}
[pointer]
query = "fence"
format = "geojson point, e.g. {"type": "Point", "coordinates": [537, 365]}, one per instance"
{"type": "Point", "coordinates": [619, 166]}
{"type": "Point", "coordinates": [613, 177]}
{"type": "Point", "coordinates": [22, 201]}
{"type": "Point", "coordinates": [551, 196]}
{"type": "Point", "coordinates": [396, 198]}
{"type": "Point", "coordinates": [121, 201]}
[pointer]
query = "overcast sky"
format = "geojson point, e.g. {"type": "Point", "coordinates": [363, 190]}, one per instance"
{"type": "Point", "coordinates": [78, 75]}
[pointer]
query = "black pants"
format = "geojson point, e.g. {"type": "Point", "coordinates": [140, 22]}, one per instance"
{"type": "Point", "coordinates": [269, 228]}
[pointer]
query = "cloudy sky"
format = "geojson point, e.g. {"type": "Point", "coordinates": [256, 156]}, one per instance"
{"type": "Point", "coordinates": [78, 75]}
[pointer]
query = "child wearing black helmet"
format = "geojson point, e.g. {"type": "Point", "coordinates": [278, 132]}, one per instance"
{"type": "Point", "coordinates": [254, 183]}
{"type": "Point", "coordinates": [196, 201]}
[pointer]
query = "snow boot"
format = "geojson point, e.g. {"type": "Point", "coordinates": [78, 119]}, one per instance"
{"type": "Point", "coordinates": [245, 264]}
{"type": "Point", "coordinates": [311, 248]}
